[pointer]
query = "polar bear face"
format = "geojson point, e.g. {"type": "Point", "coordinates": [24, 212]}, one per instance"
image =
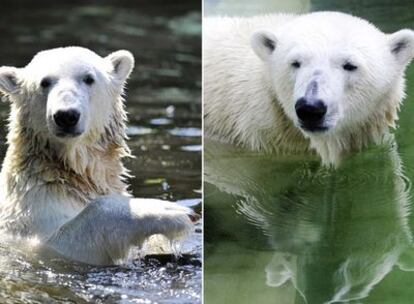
{"type": "Point", "coordinates": [67, 93]}
{"type": "Point", "coordinates": [332, 71]}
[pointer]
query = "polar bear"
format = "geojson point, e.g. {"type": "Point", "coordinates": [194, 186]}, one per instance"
{"type": "Point", "coordinates": [325, 81]}
{"type": "Point", "coordinates": [62, 180]}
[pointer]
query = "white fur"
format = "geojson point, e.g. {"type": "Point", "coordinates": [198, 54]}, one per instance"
{"type": "Point", "coordinates": [250, 89]}
{"type": "Point", "coordinates": [68, 191]}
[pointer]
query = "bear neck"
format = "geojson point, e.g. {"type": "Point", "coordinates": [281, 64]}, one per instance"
{"type": "Point", "coordinates": [84, 171]}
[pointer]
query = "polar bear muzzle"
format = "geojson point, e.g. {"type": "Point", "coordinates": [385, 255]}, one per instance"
{"type": "Point", "coordinates": [311, 113]}
{"type": "Point", "coordinates": [67, 110]}
{"type": "Point", "coordinates": [67, 120]}
{"type": "Point", "coordinates": [311, 110]}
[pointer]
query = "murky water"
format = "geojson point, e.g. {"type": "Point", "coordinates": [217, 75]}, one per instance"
{"type": "Point", "coordinates": [282, 229]}
{"type": "Point", "coordinates": [164, 106]}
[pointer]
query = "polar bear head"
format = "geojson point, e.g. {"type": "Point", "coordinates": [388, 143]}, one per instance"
{"type": "Point", "coordinates": [67, 94]}
{"type": "Point", "coordinates": [333, 72]}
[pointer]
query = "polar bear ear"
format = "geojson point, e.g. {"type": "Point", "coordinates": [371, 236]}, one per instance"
{"type": "Point", "coordinates": [402, 45]}
{"type": "Point", "coordinates": [123, 63]}
{"type": "Point", "coordinates": [263, 44]}
{"type": "Point", "coordinates": [8, 80]}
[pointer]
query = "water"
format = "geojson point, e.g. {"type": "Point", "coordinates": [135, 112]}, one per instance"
{"type": "Point", "coordinates": [283, 229]}
{"type": "Point", "coordinates": [164, 129]}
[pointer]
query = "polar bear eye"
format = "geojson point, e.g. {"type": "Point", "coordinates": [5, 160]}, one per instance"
{"type": "Point", "coordinates": [46, 82]}
{"type": "Point", "coordinates": [295, 64]}
{"type": "Point", "coordinates": [88, 79]}
{"type": "Point", "coordinates": [349, 67]}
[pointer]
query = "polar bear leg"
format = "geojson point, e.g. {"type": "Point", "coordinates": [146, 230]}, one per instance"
{"type": "Point", "coordinates": [109, 226]}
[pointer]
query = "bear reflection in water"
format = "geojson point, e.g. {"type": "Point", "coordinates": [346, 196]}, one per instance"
{"type": "Point", "coordinates": [335, 234]}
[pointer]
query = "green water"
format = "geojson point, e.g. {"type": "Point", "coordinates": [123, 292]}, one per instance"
{"type": "Point", "coordinates": [164, 105]}
{"type": "Point", "coordinates": [282, 229]}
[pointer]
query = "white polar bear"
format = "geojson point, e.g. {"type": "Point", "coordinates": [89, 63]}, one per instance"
{"type": "Point", "coordinates": [62, 180]}
{"type": "Point", "coordinates": [326, 81]}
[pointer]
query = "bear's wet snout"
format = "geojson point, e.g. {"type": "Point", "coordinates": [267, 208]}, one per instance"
{"type": "Point", "coordinates": [311, 113]}
{"type": "Point", "coordinates": [66, 119]}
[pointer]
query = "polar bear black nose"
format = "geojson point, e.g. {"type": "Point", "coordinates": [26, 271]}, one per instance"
{"type": "Point", "coordinates": [66, 118]}
{"type": "Point", "coordinates": [310, 112]}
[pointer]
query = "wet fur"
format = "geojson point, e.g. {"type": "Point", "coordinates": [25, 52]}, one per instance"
{"type": "Point", "coordinates": [72, 198]}
{"type": "Point", "coordinates": [243, 107]}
